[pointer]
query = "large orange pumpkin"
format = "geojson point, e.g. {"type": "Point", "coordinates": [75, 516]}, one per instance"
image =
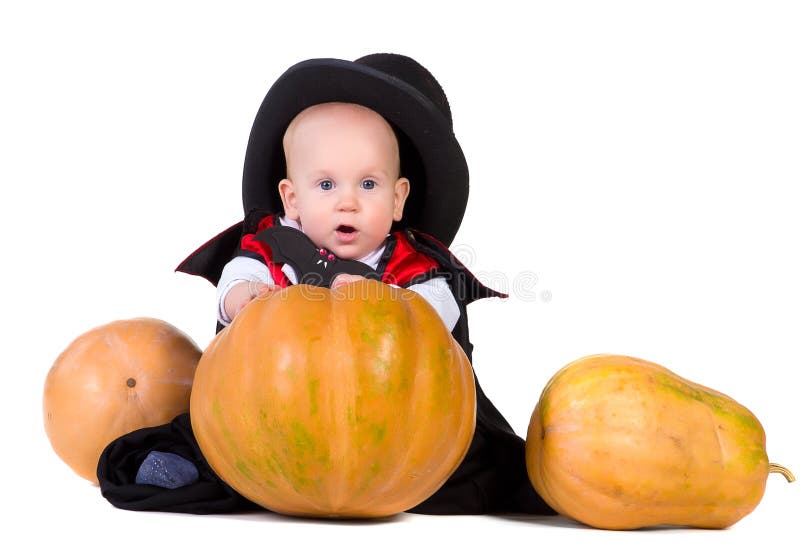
{"type": "Point", "coordinates": [619, 443]}
{"type": "Point", "coordinates": [113, 379]}
{"type": "Point", "coordinates": [354, 402]}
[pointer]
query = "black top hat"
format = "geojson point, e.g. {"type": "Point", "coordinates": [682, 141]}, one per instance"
{"type": "Point", "coordinates": [406, 95]}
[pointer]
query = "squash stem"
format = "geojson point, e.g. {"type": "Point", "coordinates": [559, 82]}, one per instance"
{"type": "Point", "coordinates": [777, 468]}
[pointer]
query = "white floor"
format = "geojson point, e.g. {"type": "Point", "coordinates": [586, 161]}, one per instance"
{"type": "Point", "coordinates": [57, 505]}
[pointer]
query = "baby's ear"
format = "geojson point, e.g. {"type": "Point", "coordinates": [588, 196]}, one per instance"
{"type": "Point", "coordinates": [289, 198]}
{"type": "Point", "coordinates": [402, 187]}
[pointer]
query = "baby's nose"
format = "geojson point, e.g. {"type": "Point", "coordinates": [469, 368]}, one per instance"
{"type": "Point", "coordinates": [347, 201]}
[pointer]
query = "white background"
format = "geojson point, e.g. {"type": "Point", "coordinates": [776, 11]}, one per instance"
{"type": "Point", "coordinates": [639, 160]}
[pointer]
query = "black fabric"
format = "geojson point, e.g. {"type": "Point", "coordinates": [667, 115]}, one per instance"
{"type": "Point", "coordinates": [315, 266]}
{"type": "Point", "coordinates": [120, 461]}
{"type": "Point", "coordinates": [210, 258]}
{"type": "Point", "coordinates": [491, 479]}
{"type": "Point", "coordinates": [465, 286]}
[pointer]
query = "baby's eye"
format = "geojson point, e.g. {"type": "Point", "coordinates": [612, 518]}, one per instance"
{"type": "Point", "coordinates": [368, 184]}
{"type": "Point", "coordinates": [326, 185]}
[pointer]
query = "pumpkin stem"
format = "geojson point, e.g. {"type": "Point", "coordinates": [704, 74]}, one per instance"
{"type": "Point", "coordinates": [777, 468]}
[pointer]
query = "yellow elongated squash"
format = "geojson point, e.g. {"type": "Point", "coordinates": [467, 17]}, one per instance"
{"type": "Point", "coordinates": [618, 442]}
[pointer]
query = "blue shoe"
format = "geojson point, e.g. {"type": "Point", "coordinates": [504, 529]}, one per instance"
{"type": "Point", "coordinates": [166, 470]}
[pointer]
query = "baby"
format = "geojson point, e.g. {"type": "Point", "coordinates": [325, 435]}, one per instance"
{"type": "Point", "coordinates": [334, 151]}
{"type": "Point", "coordinates": [344, 191]}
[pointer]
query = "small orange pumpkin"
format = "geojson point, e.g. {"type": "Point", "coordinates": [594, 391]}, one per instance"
{"type": "Point", "coordinates": [113, 379]}
{"type": "Point", "coordinates": [353, 402]}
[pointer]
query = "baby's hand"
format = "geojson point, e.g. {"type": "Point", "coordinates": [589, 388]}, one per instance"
{"type": "Point", "coordinates": [342, 279]}
{"type": "Point", "coordinates": [244, 292]}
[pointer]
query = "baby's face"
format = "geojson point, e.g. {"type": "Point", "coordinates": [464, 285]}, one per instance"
{"type": "Point", "coordinates": [343, 184]}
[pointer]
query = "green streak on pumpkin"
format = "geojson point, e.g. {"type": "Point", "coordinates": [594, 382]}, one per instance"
{"type": "Point", "coordinates": [723, 407]}
{"type": "Point", "coordinates": [443, 379]}
{"type": "Point", "coordinates": [368, 477]}
{"type": "Point", "coordinates": [313, 393]}
{"type": "Point", "coordinates": [272, 465]}
{"type": "Point", "coordinates": [243, 469]}
{"type": "Point", "coordinates": [378, 432]}
{"type": "Point", "coordinates": [444, 354]}
{"type": "Point", "coordinates": [379, 310]}
{"type": "Point", "coordinates": [381, 385]}
{"type": "Point", "coordinates": [375, 323]}
{"type": "Point", "coordinates": [405, 384]}
{"type": "Point", "coordinates": [216, 410]}
{"type": "Point", "coordinates": [275, 464]}
{"type": "Point", "coordinates": [353, 418]}
{"type": "Point", "coordinates": [743, 419]}
{"type": "Point", "coordinates": [752, 458]}
{"type": "Point", "coordinates": [324, 460]}
{"type": "Point", "coordinates": [302, 440]}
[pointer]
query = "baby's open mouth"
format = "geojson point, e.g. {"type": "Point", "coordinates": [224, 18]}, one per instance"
{"type": "Point", "coordinates": [346, 234]}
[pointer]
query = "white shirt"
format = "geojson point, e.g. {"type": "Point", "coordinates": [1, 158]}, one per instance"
{"type": "Point", "coordinates": [244, 269]}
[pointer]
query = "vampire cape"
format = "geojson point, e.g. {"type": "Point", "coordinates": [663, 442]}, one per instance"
{"type": "Point", "coordinates": [491, 479]}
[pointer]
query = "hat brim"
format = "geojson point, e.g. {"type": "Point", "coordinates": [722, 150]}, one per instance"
{"type": "Point", "coordinates": [438, 175]}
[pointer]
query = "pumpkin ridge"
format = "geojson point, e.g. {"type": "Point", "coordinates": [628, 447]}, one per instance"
{"type": "Point", "coordinates": [414, 433]}
{"type": "Point", "coordinates": [396, 353]}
